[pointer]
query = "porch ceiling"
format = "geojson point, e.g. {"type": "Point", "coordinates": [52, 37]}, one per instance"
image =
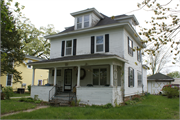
{"type": "Point", "coordinates": [79, 58]}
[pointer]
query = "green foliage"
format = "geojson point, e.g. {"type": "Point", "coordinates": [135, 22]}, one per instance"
{"type": "Point", "coordinates": [175, 74]}
{"type": "Point", "coordinates": [72, 103]}
{"type": "Point", "coordinates": [30, 100]}
{"type": "Point", "coordinates": [8, 92]}
{"type": "Point", "coordinates": [171, 92]}
{"type": "Point", "coordinates": [10, 43]}
{"type": "Point", "coordinates": [108, 105]}
{"type": "Point", "coordinates": [29, 88]}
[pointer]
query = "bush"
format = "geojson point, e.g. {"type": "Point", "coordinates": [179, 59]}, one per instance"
{"type": "Point", "coordinates": [108, 105]}
{"type": "Point", "coordinates": [171, 92]}
{"type": "Point", "coordinates": [8, 92]}
{"type": "Point", "coordinates": [29, 88]}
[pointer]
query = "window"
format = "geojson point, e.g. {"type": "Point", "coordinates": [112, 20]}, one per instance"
{"type": "Point", "coordinates": [99, 76]}
{"type": "Point", "coordinates": [58, 73]}
{"type": "Point", "coordinates": [79, 22]}
{"type": "Point", "coordinates": [29, 66]}
{"type": "Point", "coordinates": [138, 54]}
{"type": "Point", "coordinates": [130, 47]}
{"type": "Point", "coordinates": [139, 80]}
{"type": "Point", "coordinates": [99, 43]}
{"type": "Point", "coordinates": [9, 79]}
{"type": "Point", "coordinates": [39, 82]}
{"type": "Point", "coordinates": [83, 21]}
{"type": "Point", "coordinates": [68, 49]}
{"type": "Point", "coordinates": [130, 77]}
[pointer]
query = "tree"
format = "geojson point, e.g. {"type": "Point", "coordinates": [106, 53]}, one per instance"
{"type": "Point", "coordinates": [165, 26]}
{"type": "Point", "coordinates": [175, 74]}
{"type": "Point", "coordinates": [158, 62]}
{"type": "Point", "coordinates": [10, 43]}
{"type": "Point", "coordinates": [33, 41]}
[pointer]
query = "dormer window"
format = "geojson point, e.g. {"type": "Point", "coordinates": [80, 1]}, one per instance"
{"type": "Point", "coordinates": [83, 21]}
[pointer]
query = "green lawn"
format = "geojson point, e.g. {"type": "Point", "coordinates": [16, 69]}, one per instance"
{"type": "Point", "coordinates": [21, 95]}
{"type": "Point", "coordinates": [13, 105]}
{"type": "Point", "coordinates": [153, 107]}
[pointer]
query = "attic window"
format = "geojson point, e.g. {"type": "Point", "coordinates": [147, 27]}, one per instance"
{"type": "Point", "coordinates": [83, 21]}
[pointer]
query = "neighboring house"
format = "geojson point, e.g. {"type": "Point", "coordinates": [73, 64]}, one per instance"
{"type": "Point", "coordinates": [157, 81]}
{"type": "Point", "coordinates": [40, 78]}
{"type": "Point", "coordinates": [96, 55]}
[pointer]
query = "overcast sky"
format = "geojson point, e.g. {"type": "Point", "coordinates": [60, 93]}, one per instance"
{"type": "Point", "coordinates": [57, 12]}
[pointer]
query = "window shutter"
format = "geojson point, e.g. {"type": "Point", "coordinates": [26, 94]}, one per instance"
{"type": "Point", "coordinates": [92, 44]}
{"type": "Point", "coordinates": [128, 46]}
{"type": "Point", "coordinates": [137, 54]}
{"type": "Point", "coordinates": [132, 48]}
{"type": "Point", "coordinates": [106, 42]}
{"type": "Point", "coordinates": [63, 45]}
{"type": "Point", "coordinates": [128, 76]}
{"type": "Point", "coordinates": [74, 47]}
{"type": "Point", "coordinates": [140, 55]}
{"type": "Point", "coordinates": [133, 77]}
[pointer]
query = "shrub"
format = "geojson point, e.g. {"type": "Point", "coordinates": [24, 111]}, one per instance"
{"type": "Point", "coordinates": [108, 105]}
{"type": "Point", "coordinates": [8, 92]}
{"type": "Point", "coordinates": [171, 92]}
{"type": "Point", "coordinates": [130, 102]}
{"type": "Point", "coordinates": [29, 88]}
{"type": "Point", "coordinates": [72, 103]}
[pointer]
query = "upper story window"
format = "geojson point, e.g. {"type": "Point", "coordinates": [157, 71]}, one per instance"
{"type": "Point", "coordinates": [83, 21]}
{"type": "Point", "coordinates": [138, 54]}
{"type": "Point", "coordinates": [130, 47]}
{"type": "Point", "coordinates": [29, 66]}
{"type": "Point", "coordinates": [68, 47]}
{"type": "Point", "coordinates": [9, 80]}
{"type": "Point", "coordinates": [99, 43]}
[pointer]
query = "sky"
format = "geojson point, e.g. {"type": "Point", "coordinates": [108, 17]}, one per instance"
{"type": "Point", "coordinates": [57, 12]}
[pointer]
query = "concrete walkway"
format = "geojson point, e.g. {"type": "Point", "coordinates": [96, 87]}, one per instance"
{"type": "Point", "coordinates": [29, 110]}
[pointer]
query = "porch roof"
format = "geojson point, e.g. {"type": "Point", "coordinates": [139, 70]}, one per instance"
{"type": "Point", "coordinates": [80, 58]}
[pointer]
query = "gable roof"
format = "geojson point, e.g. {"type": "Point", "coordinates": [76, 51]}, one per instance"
{"type": "Point", "coordinates": [160, 76]}
{"type": "Point", "coordinates": [34, 58]}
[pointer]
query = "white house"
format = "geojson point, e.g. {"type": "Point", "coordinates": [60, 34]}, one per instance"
{"type": "Point", "coordinates": [96, 55]}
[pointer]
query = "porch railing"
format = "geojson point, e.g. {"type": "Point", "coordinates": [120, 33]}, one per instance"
{"type": "Point", "coordinates": [52, 92]}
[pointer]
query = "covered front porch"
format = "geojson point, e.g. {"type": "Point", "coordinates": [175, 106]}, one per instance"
{"type": "Point", "coordinates": [96, 80]}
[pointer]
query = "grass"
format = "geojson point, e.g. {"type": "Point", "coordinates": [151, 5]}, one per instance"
{"type": "Point", "coordinates": [153, 107]}
{"type": "Point", "coordinates": [14, 105]}
{"type": "Point", "coordinates": [21, 95]}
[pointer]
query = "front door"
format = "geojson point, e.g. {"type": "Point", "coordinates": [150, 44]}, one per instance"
{"type": "Point", "coordinates": [67, 79]}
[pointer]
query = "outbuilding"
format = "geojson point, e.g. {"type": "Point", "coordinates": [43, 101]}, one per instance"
{"type": "Point", "coordinates": [157, 81]}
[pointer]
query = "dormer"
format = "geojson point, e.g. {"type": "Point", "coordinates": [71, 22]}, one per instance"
{"type": "Point", "coordinates": [86, 18]}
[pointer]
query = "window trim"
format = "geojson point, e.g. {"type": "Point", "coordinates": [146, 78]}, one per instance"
{"type": "Point", "coordinates": [71, 47]}
{"type": "Point", "coordinates": [129, 85]}
{"type": "Point", "coordinates": [139, 73]}
{"type": "Point", "coordinates": [138, 55]}
{"type": "Point", "coordinates": [82, 21]}
{"type": "Point", "coordinates": [28, 65]}
{"type": "Point", "coordinates": [100, 67]}
{"type": "Point", "coordinates": [7, 80]}
{"type": "Point", "coordinates": [129, 48]}
{"type": "Point", "coordinates": [95, 45]}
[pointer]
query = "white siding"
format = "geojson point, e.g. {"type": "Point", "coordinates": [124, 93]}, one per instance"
{"type": "Point", "coordinates": [41, 91]}
{"type": "Point", "coordinates": [95, 19]}
{"type": "Point", "coordinates": [116, 44]}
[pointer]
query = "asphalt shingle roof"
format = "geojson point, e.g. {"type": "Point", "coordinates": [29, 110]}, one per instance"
{"type": "Point", "coordinates": [159, 76]}
{"type": "Point", "coordinates": [107, 20]}
{"type": "Point", "coordinates": [77, 57]}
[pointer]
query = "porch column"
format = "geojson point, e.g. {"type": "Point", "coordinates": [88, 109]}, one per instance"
{"type": "Point", "coordinates": [78, 77]}
{"type": "Point", "coordinates": [111, 75]}
{"type": "Point", "coordinates": [33, 77]}
{"type": "Point", "coordinates": [55, 72]}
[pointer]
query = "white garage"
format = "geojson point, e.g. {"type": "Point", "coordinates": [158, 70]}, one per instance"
{"type": "Point", "coordinates": [157, 81]}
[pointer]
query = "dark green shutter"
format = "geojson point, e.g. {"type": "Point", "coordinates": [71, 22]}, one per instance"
{"type": "Point", "coordinates": [74, 47]}
{"type": "Point", "coordinates": [133, 77]}
{"type": "Point", "coordinates": [128, 76]}
{"type": "Point", "coordinates": [62, 50]}
{"type": "Point", "coordinates": [106, 42]}
{"type": "Point", "coordinates": [92, 44]}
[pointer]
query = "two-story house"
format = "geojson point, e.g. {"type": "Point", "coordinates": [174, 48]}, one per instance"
{"type": "Point", "coordinates": [96, 56]}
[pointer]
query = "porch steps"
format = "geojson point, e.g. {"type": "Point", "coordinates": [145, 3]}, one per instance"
{"type": "Point", "coordinates": [59, 102]}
